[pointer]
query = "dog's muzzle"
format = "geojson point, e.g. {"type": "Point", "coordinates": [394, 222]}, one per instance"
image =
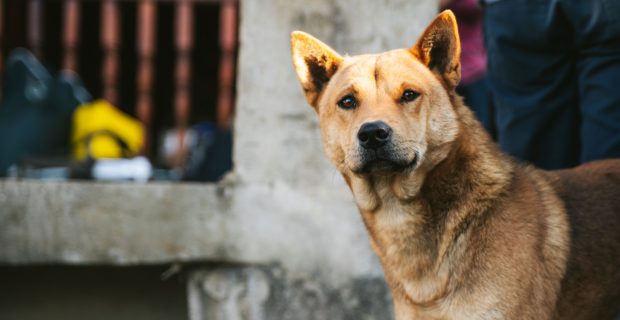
{"type": "Point", "coordinates": [378, 153]}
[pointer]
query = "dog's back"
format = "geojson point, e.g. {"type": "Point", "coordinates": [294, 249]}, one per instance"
{"type": "Point", "coordinates": [591, 194]}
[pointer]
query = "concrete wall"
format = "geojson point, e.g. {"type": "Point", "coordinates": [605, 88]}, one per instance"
{"type": "Point", "coordinates": [284, 218]}
{"type": "Point", "coordinates": [278, 154]}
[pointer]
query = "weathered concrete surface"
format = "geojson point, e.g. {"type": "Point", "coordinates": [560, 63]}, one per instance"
{"type": "Point", "coordinates": [102, 223]}
{"type": "Point", "coordinates": [105, 223]}
{"type": "Point", "coordinates": [260, 293]}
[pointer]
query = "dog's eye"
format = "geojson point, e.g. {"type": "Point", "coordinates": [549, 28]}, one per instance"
{"type": "Point", "coordinates": [348, 102]}
{"type": "Point", "coordinates": [408, 96]}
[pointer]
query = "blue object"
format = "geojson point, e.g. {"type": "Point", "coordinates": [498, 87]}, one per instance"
{"type": "Point", "coordinates": [35, 114]}
{"type": "Point", "coordinates": [554, 75]}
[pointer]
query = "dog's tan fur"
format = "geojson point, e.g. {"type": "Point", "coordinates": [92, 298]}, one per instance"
{"type": "Point", "coordinates": [463, 232]}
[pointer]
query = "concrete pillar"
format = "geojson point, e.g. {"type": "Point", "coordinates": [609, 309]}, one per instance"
{"type": "Point", "coordinates": [262, 292]}
{"type": "Point", "coordinates": [232, 293]}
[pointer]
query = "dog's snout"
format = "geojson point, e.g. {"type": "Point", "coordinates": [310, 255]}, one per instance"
{"type": "Point", "coordinates": [373, 135]}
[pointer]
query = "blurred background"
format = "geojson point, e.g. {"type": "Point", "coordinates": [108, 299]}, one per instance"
{"type": "Point", "coordinates": [165, 69]}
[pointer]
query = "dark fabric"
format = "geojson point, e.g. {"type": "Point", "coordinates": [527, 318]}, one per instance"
{"type": "Point", "coordinates": [476, 96]}
{"type": "Point", "coordinates": [36, 110]}
{"type": "Point", "coordinates": [214, 159]}
{"type": "Point", "coordinates": [554, 75]}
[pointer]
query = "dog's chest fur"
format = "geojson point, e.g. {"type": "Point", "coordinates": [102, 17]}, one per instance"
{"type": "Point", "coordinates": [406, 248]}
{"type": "Point", "coordinates": [419, 239]}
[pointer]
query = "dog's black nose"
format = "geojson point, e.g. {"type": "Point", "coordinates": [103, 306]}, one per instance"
{"type": "Point", "coordinates": [373, 135]}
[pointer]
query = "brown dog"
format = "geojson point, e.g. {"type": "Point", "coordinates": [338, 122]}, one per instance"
{"type": "Point", "coordinates": [462, 231]}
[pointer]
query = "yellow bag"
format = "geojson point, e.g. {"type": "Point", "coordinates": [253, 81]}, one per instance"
{"type": "Point", "coordinates": [100, 130]}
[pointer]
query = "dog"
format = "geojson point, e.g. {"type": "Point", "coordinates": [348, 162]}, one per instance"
{"type": "Point", "coordinates": [462, 230]}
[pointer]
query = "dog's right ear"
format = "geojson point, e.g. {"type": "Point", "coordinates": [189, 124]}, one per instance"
{"type": "Point", "coordinates": [315, 64]}
{"type": "Point", "coordinates": [439, 48]}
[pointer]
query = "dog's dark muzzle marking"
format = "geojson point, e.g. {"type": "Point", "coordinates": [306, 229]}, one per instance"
{"type": "Point", "coordinates": [384, 160]}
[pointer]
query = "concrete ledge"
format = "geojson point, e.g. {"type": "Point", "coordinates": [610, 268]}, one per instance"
{"type": "Point", "coordinates": [112, 223]}
{"type": "Point", "coordinates": [44, 222]}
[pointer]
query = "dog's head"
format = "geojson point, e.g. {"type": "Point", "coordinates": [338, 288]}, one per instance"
{"type": "Point", "coordinates": [383, 113]}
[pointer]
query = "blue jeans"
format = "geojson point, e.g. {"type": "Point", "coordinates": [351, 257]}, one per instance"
{"type": "Point", "coordinates": [554, 77]}
{"type": "Point", "coordinates": [476, 96]}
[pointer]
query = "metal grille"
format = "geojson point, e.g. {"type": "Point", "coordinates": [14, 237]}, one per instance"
{"type": "Point", "coordinates": [169, 63]}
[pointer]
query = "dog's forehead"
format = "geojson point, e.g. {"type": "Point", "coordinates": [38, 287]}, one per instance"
{"type": "Point", "coordinates": [358, 65]}
{"type": "Point", "coordinates": [395, 66]}
{"type": "Point", "coordinates": [400, 58]}
{"type": "Point", "coordinates": [401, 65]}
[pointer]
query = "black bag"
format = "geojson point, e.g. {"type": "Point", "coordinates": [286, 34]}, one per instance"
{"type": "Point", "coordinates": [36, 110]}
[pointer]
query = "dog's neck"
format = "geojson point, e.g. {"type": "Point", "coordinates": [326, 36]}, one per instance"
{"type": "Point", "coordinates": [415, 221]}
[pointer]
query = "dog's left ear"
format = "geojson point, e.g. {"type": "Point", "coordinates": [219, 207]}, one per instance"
{"type": "Point", "coordinates": [439, 48]}
{"type": "Point", "coordinates": [315, 64]}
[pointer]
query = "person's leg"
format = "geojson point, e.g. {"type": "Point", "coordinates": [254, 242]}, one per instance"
{"type": "Point", "coordinates": [532, 79]}
{"type": "Point", "coordinates": [599, 76]}
{"type": "Point", "coordinates": [476, 96]}
{"type": "Point", "coordinates": [599, 85]}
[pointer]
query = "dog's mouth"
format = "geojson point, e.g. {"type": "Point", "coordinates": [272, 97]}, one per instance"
{"type": "Point", "coordinates": [373, 163]}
